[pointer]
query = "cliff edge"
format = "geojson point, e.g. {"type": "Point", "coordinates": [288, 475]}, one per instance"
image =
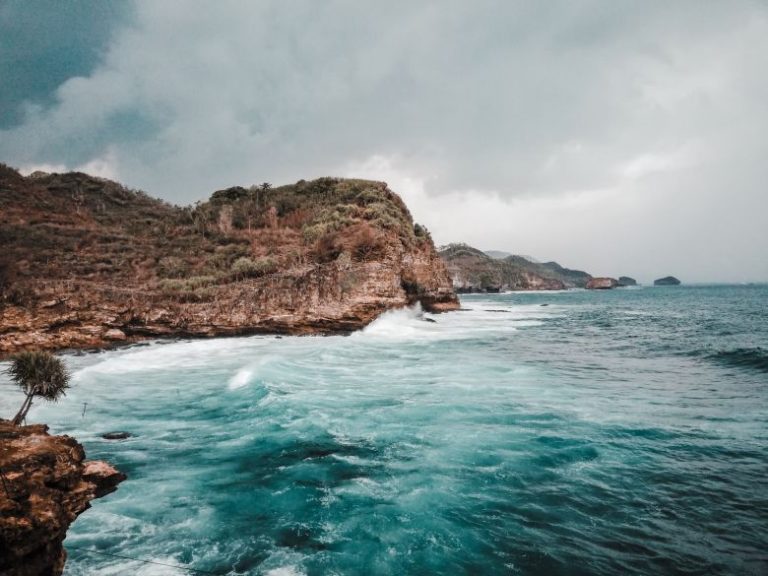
{"type": "Point", "coordinates": [45, 483]}
{"type": "Point", "coordinates": [87, 262]}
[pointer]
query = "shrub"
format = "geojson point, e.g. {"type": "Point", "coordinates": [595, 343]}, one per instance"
{"type": "Point", "coordinates": [327, 248]}
{"type": "Point", "coordinates": [383, 215]}
{"type": "Point", "coordinates": [245, 267]}
{"type": "Point", "coordinates": [172, 267]}
{"type": "Point", "coordinates": [367, 244]}
{"type": "Point", "coordinates": [420, 231]}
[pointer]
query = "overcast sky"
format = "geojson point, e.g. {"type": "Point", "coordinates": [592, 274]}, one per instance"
{"type": "Point", "coordinates": [623, 138]}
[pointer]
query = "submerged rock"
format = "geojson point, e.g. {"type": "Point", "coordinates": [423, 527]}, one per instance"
{"type": "Point", "coordinates": [602, 283]}
{"type": "Point", "coordinates": [46, 484]}
{"type": "Point", "coordinates": [666, 281]}
{"type": "Point", "coordinates": [116, 435]}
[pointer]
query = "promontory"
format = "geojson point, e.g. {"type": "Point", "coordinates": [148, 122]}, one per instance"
{"type": "Point", "coordinates": [87, 262]}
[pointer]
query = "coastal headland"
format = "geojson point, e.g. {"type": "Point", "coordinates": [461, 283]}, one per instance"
{"type": "Point", "coordinates": [89, 263]}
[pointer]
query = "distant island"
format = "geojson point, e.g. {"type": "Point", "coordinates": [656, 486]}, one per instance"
{"type": "Point", "coordinates": [666, 281]}
{"type": "Point", "coordinates": [87, 262]}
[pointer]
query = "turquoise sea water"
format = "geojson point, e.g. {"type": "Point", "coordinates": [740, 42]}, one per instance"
{"type": "Point", "coordinates": [621, 432]}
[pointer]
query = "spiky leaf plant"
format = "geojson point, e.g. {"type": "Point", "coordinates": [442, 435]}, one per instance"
{"type": "Point", "coordinates": [38, 374]}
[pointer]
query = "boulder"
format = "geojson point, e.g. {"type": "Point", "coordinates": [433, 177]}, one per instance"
{"type": "Point", "coordinates": [627, 281]}
{"type": "Point", "coordinates": [602, 283]}
{"type": "Point", "coordinates": [116, 435]}
{"type": "Point", "coordinates": [115, 335]}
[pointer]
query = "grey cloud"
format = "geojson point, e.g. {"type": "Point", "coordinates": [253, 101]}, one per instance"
{"type": "Point", "coordinates": [650, 104]}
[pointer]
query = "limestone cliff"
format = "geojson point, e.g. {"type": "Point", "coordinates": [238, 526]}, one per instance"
{"type": "Point", "coordinates": [88, 263]}
{"type": "Point", "coordinates": [45, 483]}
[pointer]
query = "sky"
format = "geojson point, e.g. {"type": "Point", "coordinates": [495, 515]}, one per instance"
{"type": "Point", "coordinates": [618, 137]}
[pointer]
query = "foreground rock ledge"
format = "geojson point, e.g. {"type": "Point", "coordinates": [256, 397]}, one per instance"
{"type": "Point", "coordinates": [45, 484]}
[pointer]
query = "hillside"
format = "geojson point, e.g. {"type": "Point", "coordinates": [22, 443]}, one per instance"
{"type": "Point", "coordinates": [87, 261]}
{"type": "Point", "coordinates": [472, 270]}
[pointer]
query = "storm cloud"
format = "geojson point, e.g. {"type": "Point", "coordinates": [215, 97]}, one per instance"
{"type": "Point", "coordinates": [619, 137]}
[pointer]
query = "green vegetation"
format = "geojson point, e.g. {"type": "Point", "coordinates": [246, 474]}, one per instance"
{"type": "Point", "coordinates": [38, 374]}
{"type": "Point", "coordinates": [249, 268]}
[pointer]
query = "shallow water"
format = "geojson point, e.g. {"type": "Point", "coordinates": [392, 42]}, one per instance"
{"type": "Point", "coordinates": [621, 432]}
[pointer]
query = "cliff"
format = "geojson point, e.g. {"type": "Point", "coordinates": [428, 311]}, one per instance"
{"type": "Point", "coordinates": [45, 483]}
{"type": "Point", "coordinates": [88, 262]}
{"type": "Point", "coordinates": [472, 270]}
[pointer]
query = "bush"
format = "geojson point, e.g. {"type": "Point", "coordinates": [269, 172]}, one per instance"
{"type": "Point", "coordinates": [327, 248]}
{"type": "Point", "coordinates": [367, 244]}
{"type": "Point", "coordinates": [383, 215]}
{"type": "Point", "coordinates": [245, 267]}
{"type": "Point", "coordinates": [172, 267]}
{"type": "Point", "coordinates": [420, 231]}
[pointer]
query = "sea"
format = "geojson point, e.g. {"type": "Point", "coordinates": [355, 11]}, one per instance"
{"type": "Point", "coordinates": [541, 433]}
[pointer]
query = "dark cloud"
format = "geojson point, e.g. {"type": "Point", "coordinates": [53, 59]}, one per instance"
{"type": "Point", "coordinates": [45, 42]}
{"type": "Point", "coordinates": [596, 132]}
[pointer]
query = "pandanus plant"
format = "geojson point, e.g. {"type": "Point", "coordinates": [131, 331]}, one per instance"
{"type": "Point", "coordinates": [37, 374]}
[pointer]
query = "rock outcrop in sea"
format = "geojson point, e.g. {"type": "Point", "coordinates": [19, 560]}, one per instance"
{"type": "Point", "coordinates": [45, 483]}
{"type": "Point", "coordinates": [89, 263]}
{"type": "Point", "coordinates": [625, 281]}
{"type": "Point", "coordinates": [472, 270]}
{"type": "Point", "coordinates": [602, 283]}
{"type": "Point", "coordinates": [666, 281]}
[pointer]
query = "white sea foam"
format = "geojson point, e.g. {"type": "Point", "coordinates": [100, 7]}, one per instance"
{"type": "Point", "coordinates": [242, 378]}
{"type": "Point", "coordinates": [285, 571]}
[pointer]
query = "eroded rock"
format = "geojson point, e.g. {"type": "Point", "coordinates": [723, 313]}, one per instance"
{"type": "Point", "coordinates": [602, 283]}
{"type": "Point", "coordinates": [45, 484]}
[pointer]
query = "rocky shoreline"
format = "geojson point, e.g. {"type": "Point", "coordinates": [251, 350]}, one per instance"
{"type": "Point", "coordinates": [45, 484]}
{"type": "Point", "coordinates": [90, 264]}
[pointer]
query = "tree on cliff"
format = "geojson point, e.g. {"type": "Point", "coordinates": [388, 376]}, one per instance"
{"type": "Point", "coordinates": [38, 374]}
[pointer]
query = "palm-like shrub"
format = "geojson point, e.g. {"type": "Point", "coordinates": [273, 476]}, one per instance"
{"type": "Point", "coordinates": [38, 374]}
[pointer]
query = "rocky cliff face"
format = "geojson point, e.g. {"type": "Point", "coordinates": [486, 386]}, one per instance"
{"type": "Point", "coordinates": [474, 271]}
{"type": "Point", "coordinates": [45, 483]}
{"type": "Point", "coordinates": [89, 263]}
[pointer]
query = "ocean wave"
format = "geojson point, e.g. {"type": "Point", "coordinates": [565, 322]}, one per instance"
{"type": "Point", "coordinates": [748, 358]}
